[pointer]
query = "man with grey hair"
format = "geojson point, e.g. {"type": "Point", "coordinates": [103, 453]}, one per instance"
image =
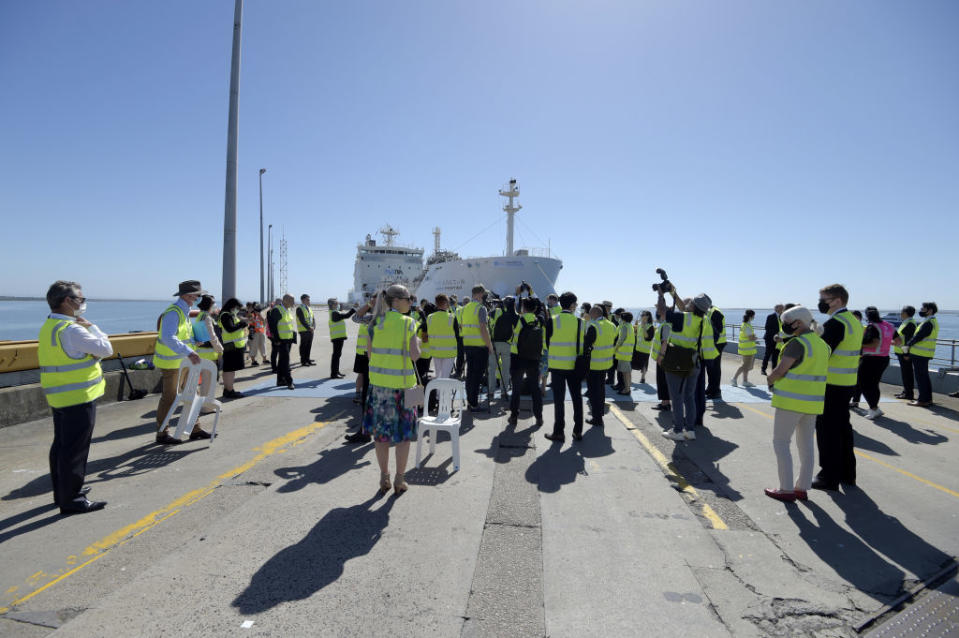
{"type": "Point", "coordinates": [337, 323]}
{"type": "Point", "coordinates": [69, 349]}
{"type": "Point", "coordinates": [283, 331]}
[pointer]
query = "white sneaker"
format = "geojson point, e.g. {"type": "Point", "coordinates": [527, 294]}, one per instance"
{"type": "Point", "coordinates": [675, 436]}
{"type": "Point", "coordinates": [690, 435]}
{"type": "Point", "coordinates": [733, 383]}
{"type": "Point", "coordinates": [747, 384]}
{"type": "Point", "coordinates": [872, 414]}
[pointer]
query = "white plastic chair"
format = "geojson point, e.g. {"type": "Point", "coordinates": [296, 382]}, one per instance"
{"type": "Point", "coordinates": [189, 394]}
{"type": "Point", "coordinates": [444, 421]}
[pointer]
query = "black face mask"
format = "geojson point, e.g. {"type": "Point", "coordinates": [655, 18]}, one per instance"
{"type": "Point", "coordinates": [788, 329]}
{"type": "Point", "coordinates": [923, 313]}
{"type": "Point", "coordinates": [823, 307]}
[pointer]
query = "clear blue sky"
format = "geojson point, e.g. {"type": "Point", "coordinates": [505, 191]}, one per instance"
{"type": "Point", "coordinates": [747, 147]}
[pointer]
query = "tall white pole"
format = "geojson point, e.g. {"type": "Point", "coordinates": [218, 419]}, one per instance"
{"type": "Point", "coordinates": [262, 298]}
{"type": "Point", "coordinates": [269, 265]}
{"type": "Point", "coordinates": [229, 214]}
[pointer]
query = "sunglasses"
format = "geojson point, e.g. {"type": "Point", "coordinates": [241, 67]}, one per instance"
{"type": "Point", "coordinates": [80, 299]}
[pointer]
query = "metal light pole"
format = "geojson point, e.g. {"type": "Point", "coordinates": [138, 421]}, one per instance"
{"type": "Point", "coordinates": [262, 170]}
{"type": "Point", "coordinates": [229, 212]}
{"type": "Point", "coordinates": [270, 264]}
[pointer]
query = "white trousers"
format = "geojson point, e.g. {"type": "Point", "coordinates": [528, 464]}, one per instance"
{"type": "Point", "coordinates": [804, 425]}
{"type": "Point", "coordinates": [442, 367]}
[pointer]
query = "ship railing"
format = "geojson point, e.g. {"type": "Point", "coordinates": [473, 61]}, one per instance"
{"type": "Point", "coordinates": [946, 358]}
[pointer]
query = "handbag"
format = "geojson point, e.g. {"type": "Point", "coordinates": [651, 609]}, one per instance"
{"type": "Point", "coordinates": [682, 361]}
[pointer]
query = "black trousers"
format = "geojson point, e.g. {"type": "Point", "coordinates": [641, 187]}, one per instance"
{"type": "Point", "coordinates": [561, 380]}
{"type": "Point", "coordinates": [870, 374]}
{"type": "Point", "coordinates": [521, 373]}
{"type": "Point", "coordinates": [908, 379]}
{"type": "Point", "coordinates": [662, 389]}
{"type": "Point", "coordinates": [920, 368]}
{"type": "Point", "coordinates": [834, 437]}
{"type": "Point", "coordinates": [460, 358]}
{"type": "Point", "coordinates": [283, 376]}
{"type": "Point", "coordinates": [701, 393]}
{"type": "Point", "coordinates": [335, 357]}
{"type": "Point", "coordinates": [274, 353]}
{"type": "Point", "coordinates": [714, 370]}
{"type": "Point", "coordinates": [611, 374]}
{"type": "Point", "coordinates": [72, 430]}
{"type": "Point", "coordinates": [477, 360]}
{"type": "Point", "coordinates": [306, 345]}
{"type": "Point", "coordinates": [596, 393]}
{"type": "Point", "coordinates": [770, 354]}
{"type": "Point", "coordinates": [423, 369]}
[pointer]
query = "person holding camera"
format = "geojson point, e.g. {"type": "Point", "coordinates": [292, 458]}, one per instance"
{"type": "Point", "coordinates": [564, 339]}
{"type": "Point", "coordinates": [526, 347]}
{"type": "Point", "coordinates": [337, 324]}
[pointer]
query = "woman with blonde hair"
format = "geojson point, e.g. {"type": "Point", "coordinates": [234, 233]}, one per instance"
{"type": "Point", "coordinates": [393, 349]}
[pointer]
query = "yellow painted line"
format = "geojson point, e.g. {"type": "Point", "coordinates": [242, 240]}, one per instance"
{"type": "Point", "coordinates": [99, 549]}
{"type": "Point", "coordinates": [869, 457]}
{"type": "Point", "coordinates": [708, 512]}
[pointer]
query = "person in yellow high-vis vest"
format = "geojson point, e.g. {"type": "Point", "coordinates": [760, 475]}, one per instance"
{"type": "Point", "coordinates": [234, 333]}
{"type": "Point", "coordinates": [921, 348]}
{"type": "Point", "coordinates": [798, 386]}
{"type": "Point", "coordinates": [175, 343]}
{"type": "Point", "coordinates": [746, 349]}
{"type": "Point", "coordinates": [564, 340]}
{"type": "Point", "coordinates": [834, 436]}
{"type": "Point", "coordinates": [282, 325]}
{"type": "Point", "coordinates": [477, 345]}
{"type": "Point", "coordinates": [305, 327]}
{"type": "Point", "coordinates": [600, 343]}
{"type": "Point", "coordinates": [206, 341]}
{"type": "Point", "coordinates": [337, 324]}
{"type": "Point", "coordinates": [69, 349]}
{"type": "Point", "coordinates": [905, 331]}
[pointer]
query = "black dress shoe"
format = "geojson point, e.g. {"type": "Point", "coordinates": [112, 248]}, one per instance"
{"type": "Point", "coordinates": [538, 423]}
{"type": "Point", "coordinates": [358, 437]}
{"type": "Point", "coordinates": [166, 439]}
{"type": "Point", "coordinates": [554, 437]}
{"type": "Point", "coordinates": [290, 386]}
{"type": "Point", "coordinates": [196, 435]}
{"type": "Point", "coordinates": [82, 507]}
{"type": "Point", "coordinates": [820, 484]}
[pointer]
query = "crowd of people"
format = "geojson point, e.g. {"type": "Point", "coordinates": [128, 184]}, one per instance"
{"type": "Point", "coordinates": [514, 345]}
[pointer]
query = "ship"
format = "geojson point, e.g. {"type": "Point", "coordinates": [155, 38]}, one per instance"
{"type": "Point", "coordinates": [378, 266]}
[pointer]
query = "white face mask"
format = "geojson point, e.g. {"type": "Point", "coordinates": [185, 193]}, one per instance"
{"type": "Point", "coordinates": [82, 309]}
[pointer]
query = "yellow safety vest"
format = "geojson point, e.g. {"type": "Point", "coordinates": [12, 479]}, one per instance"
{"type": "Point", "coordinates": [530, 319]}
{"type": "Point", "coordinates": [390, 362]}
{"type": "Point", "coordinates": [284, 326]}
{"type": "Point", "coordinates": [362, 338]}
{"type": "Point", "coordinates": [555, 310]}
{"type": "Point", "coordinates": [899, 331]}
{"type": "Point", "coordinates": [602, 355]}
{"type": "Point", "coordinates": [627, 341]}
{"type": "Point", "coordinates": [656, 347]}
{"type": "Point", "coordinates": [66, 381]}
{"type": "Point", "coordinates": [709, 317]}
{"type": "Point", "coordinates": [439, 325]}
{"type": "Point", "coordinates": [563, 345]}
{"type": "Point", "coordinates": [747, 347]}
{"type": "Point", "coordinates": [337, 328]}
{"type": "Point", "coordinates": [782, 335]}
{"type": "Point", "coordinates": [163, 356]}
{"type": "Point", "coordinates": [803, 387]}
{"type": "Point", "coordinates": [693, 331]}
{"type": "Point", "coordinates": [470, 326]}
{"type": "Point", "coordinates": [204, 352]}
{"type": "Point", "coordinates": [642, 343]}
{"type": "Point", "coordinates": [927, 347]}
{"type": "Point", "coordinates": [844, 360]}
{"type": "Point", "coordinates": [708, 344]}
{"type": "Point", "coordinates": [236, 337]}
{"type": "Point", "coordinates": [308, 313]}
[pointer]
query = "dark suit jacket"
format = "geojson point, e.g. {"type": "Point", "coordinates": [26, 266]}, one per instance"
{"type": "Point", "coordinates": [772, 327]}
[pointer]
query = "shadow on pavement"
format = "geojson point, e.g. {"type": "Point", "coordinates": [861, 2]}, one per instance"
{"type": "Point", "coordinates": [863, 442]}
{"type": "Point", "coordinates": [143, 429]}
{"type": "Point", "coordinates": [705, 453]}
{"type": "Point", "coordinates": [852, 559]}
{"type": "Point", "coordinates": [16, 519]}
{"type": "Point", "coordinates": [299, 571]}
{"type": "Point", "coordinates": [909, 433]}
{"type": "Point", "coordinates": [558, 466]}
{"type": "Point", "coordinates": [725, 411]}
{"type": "Point", "coordinates": [334, 461]}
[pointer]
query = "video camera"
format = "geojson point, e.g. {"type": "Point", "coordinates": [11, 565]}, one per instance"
{"type": "Point", "coordinates": [665, 285]}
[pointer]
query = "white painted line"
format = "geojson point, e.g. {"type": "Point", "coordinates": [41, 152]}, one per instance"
{"type": "Point", "coordinates": [247, 624]}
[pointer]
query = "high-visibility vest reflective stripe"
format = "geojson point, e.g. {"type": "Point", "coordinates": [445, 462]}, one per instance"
{"type": "Point", "coordinates": [563, 345]}
{"type": "Point", "coordinates": [284, 325]}
{"type": "Point", "coordinates": [627, 340]}
{"type": "Point", "coordinates": [337, 328]}
{"type": "Point", "coordinates": [163, 356]}
{"type": "Point", "coordinates": [927, 347]}
{"type": "Point", "coordinates": [747, 347]}
{"type": "Point", "coordinates": [439, 325]}
{"type": "Point", "coordinates": [844, 361]}
{"type": "Point", "coordinates": [236, 337]}
{"type": "Point", "coordinates": [689, 336]}
{"type": "Point", "coordinates": [362, 337]}
{"type": "Point", "coordinates": [530, 320]}
{"type": "Point", "coordinates": [469, 325]}
{"type": "Point", "coordinates": [390, 362]}
{"type": "Point", "coordinates": [661, 335]}
{"type": "Point", "coordinates": [66, 381]}
{"type": "Point", "coordinates": [881, 349]}
{"type": "Point", "coordinates": [708, 343]}
{"type": "Point", "coordinates": [722, 335]}
{"type": "Point", "coordinates": [642, 343]}
{"type": "Point", "coordinates": [602, 355]}
{"type": "Point", "coordinates": [803, 387]}
{"type": "Point", "coordinates": [908, 322]}
{"type": "Point", "coordinates": [308, 313]}
{"type": "Point", "coordinates": [199, 331]}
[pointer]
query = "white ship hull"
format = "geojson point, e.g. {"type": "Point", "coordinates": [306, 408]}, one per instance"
{"type": "Point", "coordinates": [499, 274]}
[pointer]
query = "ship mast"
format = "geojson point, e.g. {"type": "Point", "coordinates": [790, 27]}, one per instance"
{"type": "Point", "coordinates": [389, 233]}
{"type": "Point", "coordinates": [511, 210]}
{"type": "Point", "coordinates": [436, 240]}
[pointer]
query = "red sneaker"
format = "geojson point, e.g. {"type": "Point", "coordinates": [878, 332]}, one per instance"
{"type": "Point", "coordinates": [780, 495]}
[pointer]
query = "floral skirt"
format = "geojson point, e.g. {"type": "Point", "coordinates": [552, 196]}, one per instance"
{"type": "Point", "coordinates": [387, 419]}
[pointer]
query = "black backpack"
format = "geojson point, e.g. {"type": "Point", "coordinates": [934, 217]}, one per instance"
{"type": "Point", "coordinates": [504, 326]}
{"type": "Point", "coordinates": [529, 342]}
